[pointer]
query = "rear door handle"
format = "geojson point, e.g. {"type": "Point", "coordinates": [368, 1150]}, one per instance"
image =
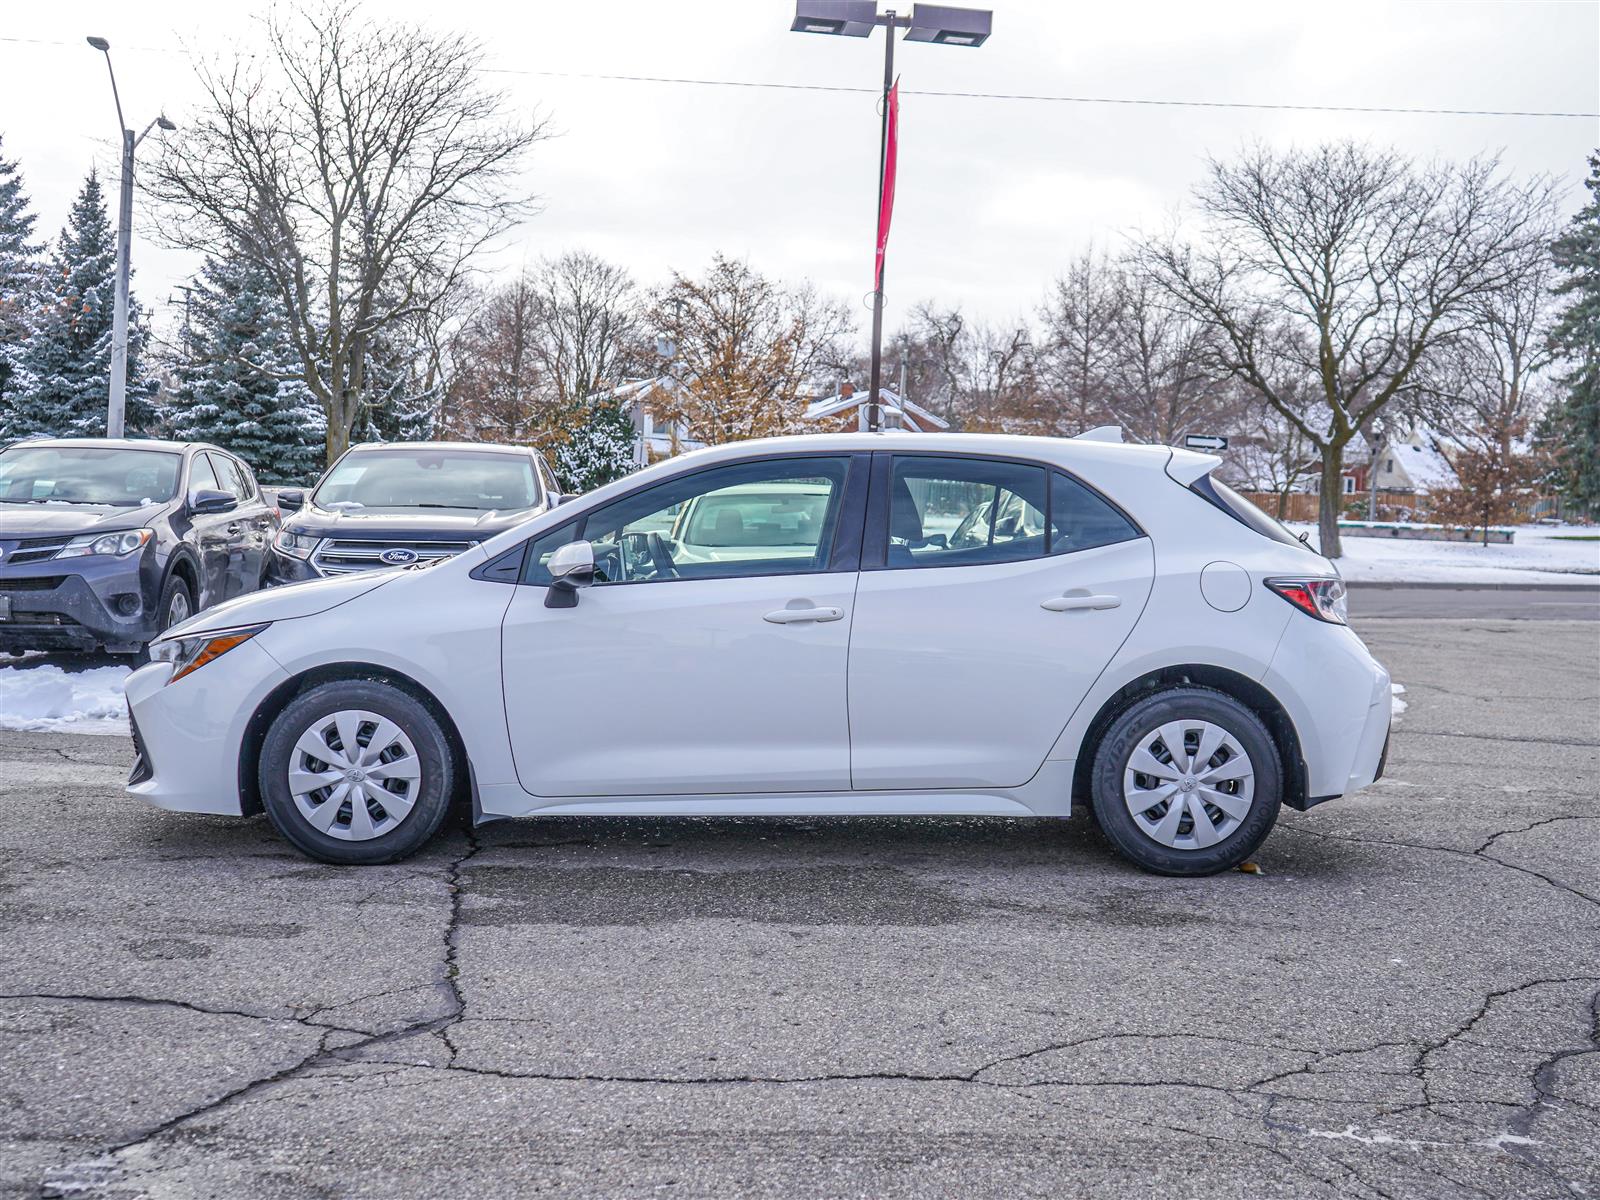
{"type": "Point", "coordinates": [235, 527]}
{"type": "Point", "coordinates": [791, 616]}
{"type": "Point", "coordinates": [1079, 603]}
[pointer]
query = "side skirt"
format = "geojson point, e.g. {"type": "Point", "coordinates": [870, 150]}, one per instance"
{"type": "Point", "coordinates": [1047, 794]}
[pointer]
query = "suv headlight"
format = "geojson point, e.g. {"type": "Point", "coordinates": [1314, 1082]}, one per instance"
{"type": "Point", "coordinates": [105, 543]}
{"type": "Point", "coordinates": [188, 654]}
{"type": "Point", "coordinates": [295, 545]}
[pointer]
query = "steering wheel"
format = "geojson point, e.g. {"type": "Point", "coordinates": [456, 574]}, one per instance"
{"type": "Point", "coordinates": [661, 556]}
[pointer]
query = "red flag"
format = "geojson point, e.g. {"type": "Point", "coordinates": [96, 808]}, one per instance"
{"type": "Point", "coordinates": [886, 194]}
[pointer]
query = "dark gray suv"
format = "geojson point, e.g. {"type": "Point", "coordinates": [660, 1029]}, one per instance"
{"type": "Point", "coordinates": [105, 542]}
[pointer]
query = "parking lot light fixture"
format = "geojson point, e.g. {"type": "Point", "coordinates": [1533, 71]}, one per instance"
{"type": "Point", "coordinates": [938, 23]}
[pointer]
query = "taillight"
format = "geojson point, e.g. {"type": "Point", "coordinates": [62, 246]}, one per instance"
{"type": "Point", "coordinates": [1323, 599]}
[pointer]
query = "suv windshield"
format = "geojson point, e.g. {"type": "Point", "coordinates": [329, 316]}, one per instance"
{"type": "Point", "coordinates": [87, 475]}
{"type": "Point", "coordinates": [424, 478]}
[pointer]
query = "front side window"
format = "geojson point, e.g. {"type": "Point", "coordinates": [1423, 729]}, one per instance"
{"type": "Point", "coordinates": [777, 517]}
{"type": "Point", "coordinates": [202, 478]}
{"type": "Point", "coordinates": [961, 512]}
{"type": "Point", "coordinates": [423, 477]}
{"type": "Point", "coordinates": [87, 475]}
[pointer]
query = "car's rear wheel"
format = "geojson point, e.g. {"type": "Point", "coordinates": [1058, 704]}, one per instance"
{"type": "Point", "coordinates": [356, 771]}
{"type": "Point", "coordinates": [1187, 782]}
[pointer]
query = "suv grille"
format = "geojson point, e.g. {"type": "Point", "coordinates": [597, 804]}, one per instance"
{"type": "Point", "coordinates": [340, 556]}
{"type": "Point", "coordinates": [41, 583]}
{"type": "Point", "coordinates": [36, 549]}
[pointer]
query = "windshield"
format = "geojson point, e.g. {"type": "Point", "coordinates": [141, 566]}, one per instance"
{"type": "Point", "coordinates": [424, 478]}
{"type": "Point", "coordinates": [87, 475]}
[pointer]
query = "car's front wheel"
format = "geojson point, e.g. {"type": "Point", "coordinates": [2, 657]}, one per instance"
{"type": "Point", "coordinates": [1187, 782]}
{"type": "Point", "coordinates": [356, 772]}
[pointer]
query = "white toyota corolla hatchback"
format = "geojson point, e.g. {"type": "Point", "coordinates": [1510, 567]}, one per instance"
{"type": "Point", "coordinates": [852, 624]}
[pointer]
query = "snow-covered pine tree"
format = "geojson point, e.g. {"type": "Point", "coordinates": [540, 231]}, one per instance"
{"type": "Point", "coordinates": [64, 373]}
{"type": "Point", "coordinates": [598, 451]}
{"type": "Point", "coordinates": [19, 276]}
{"type": "Point", "coordinates": [1575, 421]}
{"type": "Point", "coordinates": [402, 389]}
{"type": "Point", "coordinates": [236, 379]}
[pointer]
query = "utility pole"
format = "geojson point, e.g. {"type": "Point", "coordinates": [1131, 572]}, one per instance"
{"type": "Point", "coordinates": [117, 400]}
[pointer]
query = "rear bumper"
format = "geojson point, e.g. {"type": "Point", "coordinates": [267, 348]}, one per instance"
{"type": "Point", "coordinates": [1337, 696]}
{"type": "Point", "coordinates": [91, 606]}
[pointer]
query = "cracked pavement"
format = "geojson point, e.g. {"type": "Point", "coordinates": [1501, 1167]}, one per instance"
{"type": "Point", "coordinates": [1404, 1003]}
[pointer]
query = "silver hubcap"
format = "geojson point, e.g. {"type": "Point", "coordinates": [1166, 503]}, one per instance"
{"type": "Point", "coordinates": [354, 775]}
{"type": "Point", "coordinates": [1188, 784]}
{"type": "Point", "coordinates": [177, 609]}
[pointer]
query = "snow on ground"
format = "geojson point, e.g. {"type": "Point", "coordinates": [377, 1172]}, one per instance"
{"type": "Point", "coordinates": [1540, 554]}
{"type": "Point", "coordinates": [1396, 705]}
{"type": "Point", "coordinates": [46, 698]}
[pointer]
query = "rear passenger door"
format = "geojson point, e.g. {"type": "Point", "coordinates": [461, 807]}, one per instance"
{"type": "Point", "coordinates": [993, 592]}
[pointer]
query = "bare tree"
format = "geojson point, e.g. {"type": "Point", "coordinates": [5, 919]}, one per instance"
{"type": "Point", "coordinates": [532, 352]}
{"type": "Point", "coordinates": [984, 371]}
{"type": "Point", "coordinates": [362, 166]}
{"type": "Point", "coordinates": [1341, 267]}
{"type": "Point", "coordinates": [747, 351]}
{"type": "Point", "coordinates": [1078, 353]}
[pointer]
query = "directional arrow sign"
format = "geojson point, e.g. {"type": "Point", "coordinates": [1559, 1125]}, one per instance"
{"type": "Point", "coordinates": [1205, 441]}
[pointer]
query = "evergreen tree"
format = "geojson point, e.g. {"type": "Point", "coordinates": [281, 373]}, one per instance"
{"type": "Point", "coordinates": [1575, 421]}
{"type": "Point", "coordinates": [64, 369]}
{"type": "Point", "coordinates": [236, 382]}
{"type": "Point", "coordinates": [597, 451]}
{"type": "Point", "coordinates": [402, 389]}
{"type": "Point", "coordinates": [19, 270]}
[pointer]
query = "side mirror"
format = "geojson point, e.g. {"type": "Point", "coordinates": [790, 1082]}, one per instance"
{"type": "Point", "coordinates": [566, 498]}
{"type": "Point", "coordinates": [203, 501]}
{"type": "Point", "coordinates": [571, 567]}
{"type": "Point", "coordinates": [293, 498]}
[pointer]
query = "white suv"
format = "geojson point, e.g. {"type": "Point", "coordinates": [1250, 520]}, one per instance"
{"type": "Point", "coordinates": [880, 624]}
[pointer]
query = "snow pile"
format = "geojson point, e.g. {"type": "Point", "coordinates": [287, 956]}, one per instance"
{"type": "Point", "coordinates": [1540, 554]}
{"type": "Point", "coordinates": [1396, 705]}
{"type": "Point", "coordinates": [46, 698]}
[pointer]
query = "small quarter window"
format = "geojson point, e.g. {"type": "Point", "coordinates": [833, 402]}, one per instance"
{"type": "Point", "coordinates": [1081, 519]}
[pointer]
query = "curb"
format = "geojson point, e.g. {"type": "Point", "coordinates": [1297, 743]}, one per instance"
{"type": "Point", "coordinates": [1584, 586]}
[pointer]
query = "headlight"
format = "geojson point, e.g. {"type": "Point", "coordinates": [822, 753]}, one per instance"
{"type": "Point", "coordinates": [105, 543]}
{"type": "Point", "coordinates": [296, 545]}
{"type": "Point", "coordinates": [188, 654]}
{"type": "Point", "coordinates": [1324, 599]}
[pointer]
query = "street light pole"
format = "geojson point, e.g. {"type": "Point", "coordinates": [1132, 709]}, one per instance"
{"type": "Point", "coordinates": [117, 400]}
{"type": "Point", "coordinates": [874, 414]}
{"type": "Point", "coordinates": [938, 23]}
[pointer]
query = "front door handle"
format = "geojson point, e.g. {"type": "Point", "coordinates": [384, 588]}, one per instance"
{"type": "Point", "coordinates": [1079, 603]}
{"type": "Point", "coordinates": [790, 616]}
{"type": "Point", "coordinates": [235, 527]}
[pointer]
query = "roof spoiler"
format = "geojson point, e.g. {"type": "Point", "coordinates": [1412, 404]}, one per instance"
{"type": "Point", "coordinates": [1186, 466]}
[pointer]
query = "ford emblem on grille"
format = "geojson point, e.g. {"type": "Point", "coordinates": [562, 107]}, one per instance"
{"type": "Point", "coordinates": [399, 556]}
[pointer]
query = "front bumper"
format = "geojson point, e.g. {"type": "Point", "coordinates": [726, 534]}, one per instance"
{"type": "Point", "coordinates": [188, 735]}
{"type": "Point", "coordinates": [77, 605]}
{"type": "Point", "coordinates": [285, 568]}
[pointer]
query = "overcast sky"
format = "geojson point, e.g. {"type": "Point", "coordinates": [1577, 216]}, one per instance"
{"type": "Point", "coordinates": [994, 195]}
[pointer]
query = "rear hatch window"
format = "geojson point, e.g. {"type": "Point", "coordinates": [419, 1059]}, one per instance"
{"type": "Point", "coordinates": [1243, 511]}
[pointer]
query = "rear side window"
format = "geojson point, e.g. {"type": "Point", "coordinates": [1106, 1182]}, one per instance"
{"type": "Point", "coordinates": [1081, 519]}
{"type": "Point", "coordinates": [1241, 510]}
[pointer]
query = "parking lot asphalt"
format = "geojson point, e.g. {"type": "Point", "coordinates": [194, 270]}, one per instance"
{"type": "Point", "coordinates": [1404, 1002]}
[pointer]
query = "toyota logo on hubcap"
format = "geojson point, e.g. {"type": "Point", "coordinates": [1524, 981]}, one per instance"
{"type": "Point", "coordinates": [399, 556]}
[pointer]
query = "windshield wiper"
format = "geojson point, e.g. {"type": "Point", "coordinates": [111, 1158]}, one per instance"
{"type": "Point", "coordinates": [468, 507]}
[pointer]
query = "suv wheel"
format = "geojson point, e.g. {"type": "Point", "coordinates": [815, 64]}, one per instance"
{"type": "Point", "coordinates": [356, 772]}
{"type": "Point", "coordinates": [176, 603]}
{"type": "Point", "coordinates": [1187, 782]}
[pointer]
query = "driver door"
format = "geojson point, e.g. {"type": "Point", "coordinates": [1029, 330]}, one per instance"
{"type": "Point", "coordinates": [710, 654]}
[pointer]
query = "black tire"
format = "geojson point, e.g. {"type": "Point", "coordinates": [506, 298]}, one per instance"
{"type": "Point", "coordinates": [1132, 729]}
{"type": "Point", "coordinates": [430, 801]}
{"type": "Point", "coordinates": [174, 591]}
